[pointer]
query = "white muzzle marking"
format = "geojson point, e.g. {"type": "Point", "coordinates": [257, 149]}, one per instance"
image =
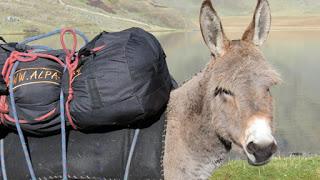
{"type": "Point", "coordinates": [259, 132]}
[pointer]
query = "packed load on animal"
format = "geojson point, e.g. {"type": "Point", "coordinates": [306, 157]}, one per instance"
{"type": "Point", "coordinates": [120, 78]}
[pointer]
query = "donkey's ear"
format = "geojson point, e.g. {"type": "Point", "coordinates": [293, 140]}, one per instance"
{"type": "Point", "coordinates": [259, 28]}
{"type": "Point", "coordinates": [212, 30]}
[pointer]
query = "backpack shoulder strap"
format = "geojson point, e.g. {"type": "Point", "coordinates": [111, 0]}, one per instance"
{"type": "Point", "coordinates": [2, 39]}
{"type": "Point", "coordinates": [13, 46]}
{"type": "Point", "coordinates": [87, 49]}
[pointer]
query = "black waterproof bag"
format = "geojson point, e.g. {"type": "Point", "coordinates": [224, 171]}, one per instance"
{"type": "Point", "coordinates": [122, 79]}
{"type": "Point", "coordinates": [36, 87]}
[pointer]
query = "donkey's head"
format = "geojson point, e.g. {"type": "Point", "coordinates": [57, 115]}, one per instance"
{"type": "Point", "coordinates": [239, 84]}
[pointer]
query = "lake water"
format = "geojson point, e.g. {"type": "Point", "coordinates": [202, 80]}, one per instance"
{"type": "Point", "coordinates": [296, 55]}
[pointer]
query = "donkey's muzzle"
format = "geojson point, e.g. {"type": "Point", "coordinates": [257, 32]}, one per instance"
{"type": "Point", "coordinates": [261, 153]}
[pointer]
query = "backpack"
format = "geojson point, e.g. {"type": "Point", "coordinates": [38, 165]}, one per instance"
{"type": "Point", "coordinates": [122, 79]}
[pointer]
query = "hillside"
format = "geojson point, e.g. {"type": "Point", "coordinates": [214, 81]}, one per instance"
{"type": "Point", "coordinates": [34, 16]}
{"type": "Point", "coordinates": [18, 16]}
{"type": "Point", "coordinates": [245, 7]}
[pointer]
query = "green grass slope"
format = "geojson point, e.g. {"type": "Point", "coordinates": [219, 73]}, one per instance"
{"type": "Point", "coordinates": [298, 168]}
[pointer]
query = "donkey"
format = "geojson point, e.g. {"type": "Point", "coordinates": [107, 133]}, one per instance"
{"type": "Point", "coordinates": [228, 103]}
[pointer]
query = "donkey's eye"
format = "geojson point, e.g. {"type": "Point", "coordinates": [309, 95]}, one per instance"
{"type": "Point", "coordinates": [220, 90]}
{"type": "Point", "coordinates": [228, 92]}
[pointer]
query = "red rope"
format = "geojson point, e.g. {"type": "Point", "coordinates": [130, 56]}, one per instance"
{"type": "Point", "coordinates": [72, 66]}
{"type": "Point", "coordinates": [41, 118]}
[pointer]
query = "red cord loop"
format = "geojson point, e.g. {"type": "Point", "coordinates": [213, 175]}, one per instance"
{"type": "Point", "coordinates": [72, 64]}
{"type": "Point", "coordinates": [74, 45]}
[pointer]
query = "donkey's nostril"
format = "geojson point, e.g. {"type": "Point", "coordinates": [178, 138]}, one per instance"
{"type": "Point", "coordinates": [252, 148]}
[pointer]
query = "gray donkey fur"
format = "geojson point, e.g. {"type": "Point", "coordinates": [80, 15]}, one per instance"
{"type": "Point", "coordinates": [211, 112]}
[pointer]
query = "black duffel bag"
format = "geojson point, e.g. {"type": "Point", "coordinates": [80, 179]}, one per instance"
{"type": "Point", "coordinates": [122, 79]}
{"type": "Point", "coordinates": [37, 87]}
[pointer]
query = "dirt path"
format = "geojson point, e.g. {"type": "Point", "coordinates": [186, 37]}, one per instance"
{"type": "Point", "coordinates": [151, 26]}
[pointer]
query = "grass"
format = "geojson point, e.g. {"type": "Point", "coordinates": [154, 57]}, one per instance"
{"type": "Point", "coordinates": [299, 168]}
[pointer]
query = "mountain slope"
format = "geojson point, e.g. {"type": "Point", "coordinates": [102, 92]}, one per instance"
{"type": "Point", "coordinates": [245, 7]}
{"type": "Point", "coordinates": [33, 16]}
{"type": "Point", "coordinates": [90, 16]}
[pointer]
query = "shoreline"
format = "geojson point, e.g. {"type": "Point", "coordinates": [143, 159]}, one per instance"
{"type": "Point", "coordinates": [231, 24]}
{"type": "Point", "coordinates": [227, 29]}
